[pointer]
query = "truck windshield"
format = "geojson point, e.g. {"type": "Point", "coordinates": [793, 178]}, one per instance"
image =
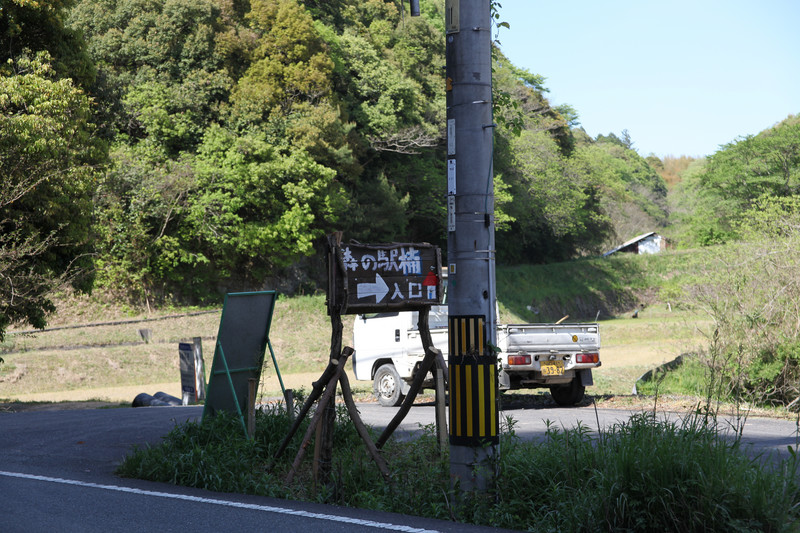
{"type": "Point", "coordinates": [379, 315]}
{"type": "Point", "coordinates": [437, 317]}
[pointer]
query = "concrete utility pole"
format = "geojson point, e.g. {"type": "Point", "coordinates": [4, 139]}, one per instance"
{"type": "Point", "coordinates": [470, 244]}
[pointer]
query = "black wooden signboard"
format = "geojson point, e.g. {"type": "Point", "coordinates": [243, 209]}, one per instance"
{"type": "Point", "coordinates": [373, 278]}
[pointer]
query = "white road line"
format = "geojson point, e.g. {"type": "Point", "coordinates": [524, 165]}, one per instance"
{"type": "Point", "coordinates": [197, 499]}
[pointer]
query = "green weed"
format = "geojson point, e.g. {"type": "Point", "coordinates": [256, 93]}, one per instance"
{"type": "Point", "coordinates": [689, 379]}
{"type": "Point", "coordinates": [644, 474]}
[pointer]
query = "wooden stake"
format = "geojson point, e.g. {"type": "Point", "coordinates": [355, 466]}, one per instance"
{"type": "Point", "coordinates": [347, 394]}
{"type": "Point", "coordinates": [431, 354]}
{"type": "Point", "coordinates": [316, 392]}
{"type": "Point", "coordinates": [330, 390]}
{"type": "Point", "coordinates": [289, 397]}
{"type": "Point", "coordinates": [416, 385]}
{"type": "Point", "coordinates": [441, 420]}
{"type": "Point", "coordinates": [252, 389]}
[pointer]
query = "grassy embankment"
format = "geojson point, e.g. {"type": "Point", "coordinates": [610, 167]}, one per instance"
{"type": "Point", "coordinates": [113, 363]}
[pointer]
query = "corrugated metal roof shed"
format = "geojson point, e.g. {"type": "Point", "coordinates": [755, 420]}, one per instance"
{"type": "Point", "coordinates": [646, 243]}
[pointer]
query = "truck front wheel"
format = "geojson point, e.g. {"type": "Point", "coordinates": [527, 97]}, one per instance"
{"type": "Point", "coordinates": [386, 386]}
{"type": "Point", "coordinates": [568, 395]}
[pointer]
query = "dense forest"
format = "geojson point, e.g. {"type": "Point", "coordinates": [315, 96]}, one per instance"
{"type": "Point", "coordinates": [163, 149]}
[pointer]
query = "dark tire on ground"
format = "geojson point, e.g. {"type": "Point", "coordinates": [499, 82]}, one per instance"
{"type": "Point", "coordinates": [568, 395]}
{"type": "Point", "coordinates": [386, 386]}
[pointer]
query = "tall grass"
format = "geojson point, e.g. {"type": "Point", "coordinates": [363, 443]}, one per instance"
{"type": "Point", "coordinates": [606, 285]}
{"type": "Point", "coordinates": [644, 474]}
{"type": "Point", "coordinates": [691, 378]}
{"type": "Point", "coordinates": [750, 292]}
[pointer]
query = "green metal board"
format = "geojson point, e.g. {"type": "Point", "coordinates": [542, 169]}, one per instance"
{"type": "Point", "coordinates": [239, 352]}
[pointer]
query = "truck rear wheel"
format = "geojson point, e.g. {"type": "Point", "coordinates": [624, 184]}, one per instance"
{"type": "Point", "coordinates": [386, 386]}
{"type": "Point", "coordinates": [568, 395]}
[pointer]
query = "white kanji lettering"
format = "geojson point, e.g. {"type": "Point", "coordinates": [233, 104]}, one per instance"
{"type": "Point", "coordinates": [410, 261]}
{"type": "Point", "coordinates": [397, 293]}
{"type": "Point", "coordinates": [350, 262]}
{"type": "Point", "coordinates": [414, 290]}
{"type": "Point", "coordinates": [383, 261]}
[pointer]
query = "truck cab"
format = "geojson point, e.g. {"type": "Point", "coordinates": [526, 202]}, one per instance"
{"type": "Point", "coordinates": [390, 349]}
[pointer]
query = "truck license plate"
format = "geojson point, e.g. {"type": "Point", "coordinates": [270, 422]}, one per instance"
{"type": "Point", "coordinates": [552, 368]}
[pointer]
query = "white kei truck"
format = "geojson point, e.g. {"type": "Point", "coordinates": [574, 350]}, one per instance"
{"type": "Point", "coordinates": [388, 352]}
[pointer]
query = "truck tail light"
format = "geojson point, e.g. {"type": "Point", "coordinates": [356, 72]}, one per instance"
{"type": "Point", "coordinates": [587, 358]}
{"type": "Point", "coordinates": [519, 359]}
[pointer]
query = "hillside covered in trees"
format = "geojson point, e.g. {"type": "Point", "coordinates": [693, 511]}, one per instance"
{"type": "Point", "coordinates": [182, 148]}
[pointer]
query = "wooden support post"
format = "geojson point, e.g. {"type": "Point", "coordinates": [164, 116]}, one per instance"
{"type": "Point", "coordinates": [316, 392]}
{"type": "Point", "coordinates": [323, 448]}
{"type": "Point", "coordinates": [330, 390]}
{"type": "Point", "coordinates": [416, 385]}
{"type": "Point", "coordinates": [288, 396]}
{"type": "Point", "coordinates": [441, 417]}
{"type": "Point", "coordinates": [318, 444]}
{"type": "Point", "coordinates": [347, 394]}
{"type": "Point", "coordinates": [431, 354]}
{"type": "Point", "coordinates": [252, 390]}
{"type": "Point", "coordinates": [323, 442]}
{"type": "Point", "coordinates": [307, 438]}
{"type": "Point", "coordinates": [442, 365]}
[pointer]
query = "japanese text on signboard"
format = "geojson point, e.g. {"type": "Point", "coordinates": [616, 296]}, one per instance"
{"type": "Point", "coordinates": [393, 276]}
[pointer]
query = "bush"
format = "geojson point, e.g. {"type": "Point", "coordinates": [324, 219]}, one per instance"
{"type": "Point", "coordinates": [751, 291]}
{"type": "Point", "coordinates": [641, 475]}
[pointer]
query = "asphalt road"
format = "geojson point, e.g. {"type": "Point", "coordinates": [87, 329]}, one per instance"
{"type": "Point", "coordinates": [762, 437]}
{"type": "Point", "coordinates": [57, 473]}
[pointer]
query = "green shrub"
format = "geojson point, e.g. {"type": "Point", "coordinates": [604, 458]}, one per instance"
{"type": "Point", "coordinates": [688, 379]}
{"type": "Point", "coordinates": [751, 290]}
{"type": "Point", "coordinates": [644, 474]}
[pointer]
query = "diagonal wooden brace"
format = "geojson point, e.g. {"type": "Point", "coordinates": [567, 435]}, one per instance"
{"type": "Point", "coordinates": [361, 429]}
{"type": "Point", "coordinates": [416, 385]}
{"type": "Point", "coordinates": [330, 390]}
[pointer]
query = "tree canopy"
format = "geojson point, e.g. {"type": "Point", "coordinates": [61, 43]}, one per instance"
{"type": "Point", "coordinates": [731, 182]}
{"type": "Point", "coordinates": [48, 169]}
{"type": "Point", "coordinates": [240, 132]}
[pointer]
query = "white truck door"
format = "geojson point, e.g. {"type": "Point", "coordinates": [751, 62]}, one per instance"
{"type": "Point", "coordinates": [437, 323]}
{"type": "Point", "coordinates": [377, 336]}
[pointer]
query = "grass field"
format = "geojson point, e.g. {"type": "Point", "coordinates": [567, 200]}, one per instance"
{"type": "Point", "coordinates": [113, 363]}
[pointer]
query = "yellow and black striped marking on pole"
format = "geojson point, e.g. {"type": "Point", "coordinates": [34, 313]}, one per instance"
{"type": "Point", "coordinates": [473, 383]}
